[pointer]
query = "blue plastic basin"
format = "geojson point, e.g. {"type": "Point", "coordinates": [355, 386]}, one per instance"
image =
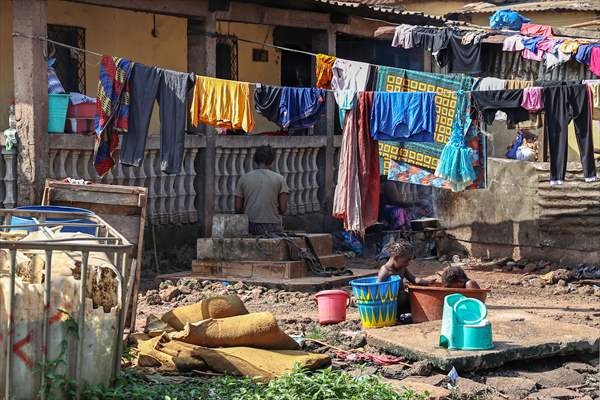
{"type": "Point", "coordinates": [23, 220]}
{"type": "Point", "coordinates": [377, 301]}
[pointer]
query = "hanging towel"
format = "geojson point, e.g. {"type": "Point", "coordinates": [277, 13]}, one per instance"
{"type": "Point", "coordinates": [490, 84]}
{"type": "Point", "coordinates": [403, 115]}
{"type": "Point", "coordinates": [456, 162]}
{"type": "Point", "coordinates": [403, 36]}
{"type": "Point", "coordinates": [323, 70]}
{"type": "Point", "coordinates": [513, 43]}
{"type": "Point", "coordinates": [347, 204]}
{"type": "Point", "coordinates": [112, 110]}
{"type": "Point", "coordinates": [267, 100]}
{"type": "Point", "coordinates": [348, 75]}
{"type": "Point", "coordinates": [222, 103]}
{"type": "Point", "coordinates": [595, 61]}
{"type": "Point", "coordinates": [368, 162]}
{"type": "Point", "coordinates": [301, 108]}
{"type": "Point", "coordinates": [532, 99]}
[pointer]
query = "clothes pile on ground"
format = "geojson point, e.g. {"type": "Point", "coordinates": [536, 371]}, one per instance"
{"type": "Point", "coordinates": [218, 334]}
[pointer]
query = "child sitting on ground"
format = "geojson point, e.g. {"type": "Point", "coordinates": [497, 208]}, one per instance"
{"type": "Point", "coordinates": [400, 254]}
{"type": "Point", "coordinates": [455, 277]}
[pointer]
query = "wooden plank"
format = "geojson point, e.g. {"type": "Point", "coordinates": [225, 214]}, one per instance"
{"type": "Point", "coordinates": [64, 195]}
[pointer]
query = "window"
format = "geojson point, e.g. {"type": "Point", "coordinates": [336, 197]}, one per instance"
{"type": "Point", "coordinates": [70, 64]}
{"type": "Point", "coordinates": [227, 57]}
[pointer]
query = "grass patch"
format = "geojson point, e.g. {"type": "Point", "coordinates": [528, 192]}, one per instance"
{"type": "Point", "coordinates": [326, 384]}
{"type": "Point", "coordinates": [316, 333]}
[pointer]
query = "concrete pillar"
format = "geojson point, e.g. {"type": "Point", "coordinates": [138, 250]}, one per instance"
{"type": "Point", "coordinates": [330, 161]}
{"type": "Point", "coordinates": [202, 54]}
{"type": "Point", "coordinates": [31, 98]}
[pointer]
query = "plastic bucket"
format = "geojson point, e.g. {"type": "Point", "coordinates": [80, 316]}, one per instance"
{"type": "Point", "coordinates": [332, 306]}
{"type": "Point", "coordinates": [377, 301]}
{"type": "Point", "coordinates": [57, 112]}
{"type": "Point", "coordinates": [23, 220]}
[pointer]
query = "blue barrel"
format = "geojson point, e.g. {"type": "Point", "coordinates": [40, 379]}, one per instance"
{"type": "Point", "coordinates": [23, 220]}
{"type": "Point", "coordinates": [377, 301]}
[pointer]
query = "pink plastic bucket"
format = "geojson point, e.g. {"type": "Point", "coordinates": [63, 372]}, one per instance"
{"type": "Point", "coordinates": [332, 306]}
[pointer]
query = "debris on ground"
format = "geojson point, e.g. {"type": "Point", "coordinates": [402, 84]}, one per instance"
{"type": "Point", "coordinates": [218, 334]}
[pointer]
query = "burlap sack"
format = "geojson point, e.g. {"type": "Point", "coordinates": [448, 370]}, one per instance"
{"type": "Point", "coordinates": [160, 352]}
{"type": "Point", "coordinates": [214, 307]}
{"type": "Point", "coordinates": [259, 363]}
{"type": "Point", "coordinates": [252, 330]}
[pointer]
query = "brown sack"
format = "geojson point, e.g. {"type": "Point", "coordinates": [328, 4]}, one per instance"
{"type": "Point", "coordinates": [258, 363]}
{"type": "Point", "coordinates": [251, 330]}
{"type": "Point", "coordinates": [214, 307]}
{"type": "Point", "coordinates": [158, 351]}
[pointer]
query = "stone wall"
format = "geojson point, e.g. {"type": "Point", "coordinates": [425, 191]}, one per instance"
{"type": "Point", "coordinates": [520, 215]}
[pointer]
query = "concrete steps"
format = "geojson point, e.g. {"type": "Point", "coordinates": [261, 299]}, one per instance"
{"type": "Point", "coordinates": [255, 249]}
{"type": "Point", "coordinates": [262, 269]}
{"type": "Point", "coordinates": [261, 258]}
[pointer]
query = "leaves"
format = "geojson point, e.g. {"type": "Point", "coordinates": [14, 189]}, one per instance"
{"type": "Point", "coordinates": [326, 384]}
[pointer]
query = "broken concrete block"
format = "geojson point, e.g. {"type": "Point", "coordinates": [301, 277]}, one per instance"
{"type": "Point", "coordinates": [513, 387]}
{"type": "Point", "coordinates": [557, 393]}
{"type": "Point", "coordinates": [470, 388]}
{"type": "Point", "coordinates": [581, 367]}
{"type": "Point", "coordinates": [562, 377]}
{"type": "Point", "coordinates": [229, 225]}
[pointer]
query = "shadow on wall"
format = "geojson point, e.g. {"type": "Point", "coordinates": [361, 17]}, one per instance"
{"type": "Point", "coordinates": [521, 215]}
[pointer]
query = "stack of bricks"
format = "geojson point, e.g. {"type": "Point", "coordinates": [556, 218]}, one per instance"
{"type": "Point", "coordinates": [245, 257]}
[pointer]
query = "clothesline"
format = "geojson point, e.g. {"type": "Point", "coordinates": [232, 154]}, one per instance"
{"type": "Point", "coordinates": [43, 38]}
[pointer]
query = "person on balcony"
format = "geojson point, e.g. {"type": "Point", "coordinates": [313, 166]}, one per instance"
{"type": "Point", "coordinates": [262, 194]}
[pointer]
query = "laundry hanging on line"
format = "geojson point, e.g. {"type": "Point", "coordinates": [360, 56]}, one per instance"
{"type": "Point", "coordinates": [170, 89]}
{"type": "Point", "coordinates": [112, 110]}
{"type": "Point", "coordinates": [291, 108]}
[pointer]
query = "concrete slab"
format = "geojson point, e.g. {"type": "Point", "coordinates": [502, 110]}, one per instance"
{"type": "Point", "coordinates": [518, 335]}
{"type": "Point", "coordinates": [306, 284]}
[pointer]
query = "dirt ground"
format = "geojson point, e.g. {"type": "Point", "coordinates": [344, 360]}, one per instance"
{"type": "Point", "coordinates": [512, 286]}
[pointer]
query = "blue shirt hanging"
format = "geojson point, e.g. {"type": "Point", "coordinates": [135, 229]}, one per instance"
{"type": "Point", "coordinates": [403, 115]}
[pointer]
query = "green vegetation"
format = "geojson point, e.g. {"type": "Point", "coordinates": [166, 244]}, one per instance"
{"type": "Point", "coordinates": [326, 384]}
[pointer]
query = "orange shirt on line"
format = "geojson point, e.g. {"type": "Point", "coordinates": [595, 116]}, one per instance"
{"type": "Point", "coordinates": [222, 103]}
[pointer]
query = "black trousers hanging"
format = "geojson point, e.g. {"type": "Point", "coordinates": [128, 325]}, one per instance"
{"type": "Point", "coordinates": [563, 104]}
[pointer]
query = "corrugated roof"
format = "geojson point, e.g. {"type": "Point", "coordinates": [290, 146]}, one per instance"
{"type": "Point", "coordinates": [489, 8]}
{"type": "Point", "coordinates": [382, 6]}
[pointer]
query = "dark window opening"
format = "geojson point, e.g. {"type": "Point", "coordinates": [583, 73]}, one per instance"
{"type": "Point", "coordinates": [227, 58]}
{"type": "Point", "coordinates": [70, 64]}
{"type": "Point", "coordinates": [296, 68]}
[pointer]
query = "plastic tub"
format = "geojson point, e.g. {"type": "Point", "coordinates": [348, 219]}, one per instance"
{"type": "Point", "coordinates": [377, 301]}
{"type": "Point", "coordinates": [23, 220]}
{"type": "Point", "coordinates": [332, 306]}
{"type": "Point", "coordinates": [58, 104]}
{"type": "Point", "coordinates": [427, 302]}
